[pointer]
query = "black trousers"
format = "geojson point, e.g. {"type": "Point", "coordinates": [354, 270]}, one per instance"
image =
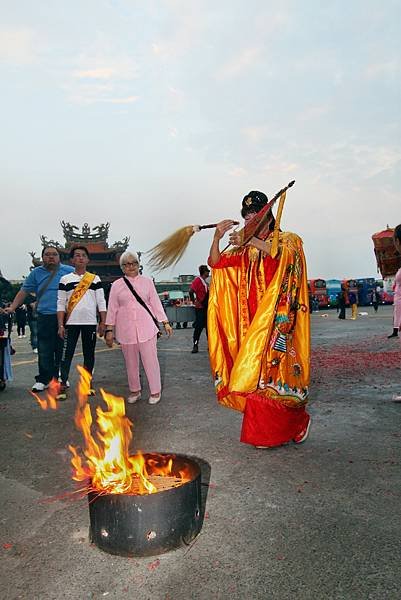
{"type": "Point", "coordinates": [71, 335]}
{"type": "Point", "coordinates": [200, 323]}
{"type": "Point", "coordinates": [50, 347]}
{"type": "Point", "coordinates": [21, 328]}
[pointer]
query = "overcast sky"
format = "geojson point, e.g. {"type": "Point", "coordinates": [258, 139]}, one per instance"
{"type": "Point", "coordinates": [157, 114]}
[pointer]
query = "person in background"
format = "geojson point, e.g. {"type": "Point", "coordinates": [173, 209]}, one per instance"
{"type": "Point", "coordinates": [43, 281]}
{"type": "Point", "coordinates": [133, 312]}
{"type": "Point", "coordinates": [353, 304]}
{"type": "Point", "coordinates": [341, 303]}
{"type": "Point", "coordinates": [20, 317]}
{"type": "Point", "coordinates": [397, 292]}
{"type": "Point", "coordinates": [199, 294]}
{"type": "Point", "coordinates": [375, 298]}
{"type": "Point", "coordinates": [80, 300]}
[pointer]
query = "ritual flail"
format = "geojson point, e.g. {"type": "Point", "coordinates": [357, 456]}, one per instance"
{"type": "Point", "coordinates": [169, 251]}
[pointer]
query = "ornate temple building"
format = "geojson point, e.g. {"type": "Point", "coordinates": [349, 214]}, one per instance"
{"type": "Point", "coordinates": [104, 259]}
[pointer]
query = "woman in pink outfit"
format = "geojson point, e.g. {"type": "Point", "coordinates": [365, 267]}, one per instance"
{"type": "Point", "coordinates": [397, 292]}
{"type": "Point", "coordinates": [134, 327]}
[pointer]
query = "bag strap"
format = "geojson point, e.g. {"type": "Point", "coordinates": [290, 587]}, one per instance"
{"type": "Point", "coordinates": [44, 288]}
{"type": "Point", "coordinates": [141, 302]}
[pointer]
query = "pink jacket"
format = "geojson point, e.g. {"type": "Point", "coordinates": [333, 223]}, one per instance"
{"type": "Point", "coordinates": [133, 324]}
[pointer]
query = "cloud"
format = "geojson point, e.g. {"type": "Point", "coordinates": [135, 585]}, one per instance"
{"type": "Point", "coordinates": [187, 22]}
{"type": "Point", "coordinates": [390, 69]}
{"type": "Point", "coordinates": [237, 172]}
{"type": "Point", "coordinates": [92, 97]}
{"type": "Point", "coordinates": [314, 112]}
{"type": "Point", "coordinates": [102, 78]}
{"type": "Point", "coordinates": [346, 160]}
{"type": "Point", "coordinates": [106, 67]}
{"type": "Point", "coordinates": [18, 46]}
{"type": "Point", "coordinates": [242, 62]}
{"type": "Point", "coordinates": [127, 100]}
{"type": "Point", "coordinates": [100, 73]}
{"type": "Point", "coordinates": [254, 134]}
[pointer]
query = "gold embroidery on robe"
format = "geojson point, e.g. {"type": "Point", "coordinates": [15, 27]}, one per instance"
{"type": "Point", "coordinates": [269, 354]}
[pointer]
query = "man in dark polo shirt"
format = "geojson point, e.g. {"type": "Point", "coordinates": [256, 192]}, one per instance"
{"type": "Point", "coordinates": [43, 281]}
{"type": "Point", "coordinates": [199, 294]}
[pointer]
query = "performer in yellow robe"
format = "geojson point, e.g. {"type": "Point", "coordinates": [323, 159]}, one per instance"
{"type": "Point", "coordinates": [258, 330]}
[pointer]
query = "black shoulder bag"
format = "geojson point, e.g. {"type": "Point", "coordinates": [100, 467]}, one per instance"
{"type": "Point", "coordinates": [145, 306]}
{"type": "Point", "coordinates": [42, 291]}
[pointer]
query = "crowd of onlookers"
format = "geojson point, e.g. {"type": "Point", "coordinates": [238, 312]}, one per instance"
{"type": "Point", "coordinates": [61, 303]}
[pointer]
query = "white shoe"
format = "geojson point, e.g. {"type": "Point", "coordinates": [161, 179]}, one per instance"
{"type": "Point", "coordinates": [132, 398]}
{"type": "Point", "coordinates": [155, 399]}
{"type": "Point", "coordinates": [35, 350]}
{"type": "Point", "coordinates": [397, 398]}
{"type": "Point", "coordinates": [39, 387]}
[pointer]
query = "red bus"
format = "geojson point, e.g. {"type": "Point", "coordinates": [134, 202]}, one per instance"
{"type": "Point", "coordinates": [317, 288]}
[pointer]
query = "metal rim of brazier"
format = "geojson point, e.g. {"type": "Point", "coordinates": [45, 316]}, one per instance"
{"type": "Point", "coordinates": [149, 524]}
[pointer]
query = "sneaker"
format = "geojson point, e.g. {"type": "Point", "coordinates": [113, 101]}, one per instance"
{"type": "Point", "coordinates": [39, 386]}
{"type": "Point", "coordinates": [35, 350]}
{"type": "Point", "coordinates": [62, 395]}
{"type": "Point", "coordinates": [132, 398]}
{"type": "Point", "coordinates": [67, 383]}
{"type": "Point", "coordinates": [155, 399]}
{"type": "Point", "coordinates": [396, 398]}
{"type": "Point", "coordinates": [195, 349]}
{"type": "Point", "coordinates": [302, 437]}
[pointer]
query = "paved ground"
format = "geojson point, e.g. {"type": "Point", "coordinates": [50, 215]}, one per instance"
{"type": "Point", "coordinates": [316, 521]}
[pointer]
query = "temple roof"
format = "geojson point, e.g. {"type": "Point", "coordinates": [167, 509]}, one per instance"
{"type": "Point", "coordinates": [94, 239]}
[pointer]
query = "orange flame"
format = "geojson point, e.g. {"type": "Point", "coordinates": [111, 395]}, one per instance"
{"type": "Point", "coordinates": [51, 396]}
{"type": "Point", "coordinates": [107, 462]}
{"type": "Point", "coordinates": [104, 460]}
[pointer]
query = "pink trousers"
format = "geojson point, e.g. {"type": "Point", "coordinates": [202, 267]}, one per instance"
{"type": "Point", "coordinates": [148, 352]}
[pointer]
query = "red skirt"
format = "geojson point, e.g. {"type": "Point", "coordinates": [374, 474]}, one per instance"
{"type": "Point", "coordinates": [266, 422]}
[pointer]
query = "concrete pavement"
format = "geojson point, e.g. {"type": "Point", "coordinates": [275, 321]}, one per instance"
{"type": "Point", "coordinates": [315, 521]}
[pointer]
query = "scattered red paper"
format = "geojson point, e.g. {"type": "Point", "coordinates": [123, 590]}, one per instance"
{"type": "Point", "coordinates": [7, 546]}
{"type": "Point", "coordinates": [153, 565]}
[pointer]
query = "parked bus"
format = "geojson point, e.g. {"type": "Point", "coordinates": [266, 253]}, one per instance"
{"type": "Point", "coordinates": [365, 289]}
{"type": "Point", "coordinates": [333, 287]}
{"type": "Point", "coordinates": [317, 288]}
{"type": "Point", "coordinates": [387, 292]}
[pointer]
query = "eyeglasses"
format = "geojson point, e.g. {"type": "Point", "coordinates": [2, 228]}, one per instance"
{"type": "Point", "coordinates": [130, 264]}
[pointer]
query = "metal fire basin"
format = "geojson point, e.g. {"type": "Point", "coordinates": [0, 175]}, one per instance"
{"type": "Point", "coordinates": [146, 525]}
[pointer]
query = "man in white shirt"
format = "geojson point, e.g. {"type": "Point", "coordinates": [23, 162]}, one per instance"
{"type": "Point", "coordinates": [80, 298]}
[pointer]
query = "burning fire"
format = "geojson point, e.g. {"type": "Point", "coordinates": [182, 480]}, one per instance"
{"type": "Point", "coordinates": [51, 394]}
{"type": "Point", "coordinates": [106, 462]}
